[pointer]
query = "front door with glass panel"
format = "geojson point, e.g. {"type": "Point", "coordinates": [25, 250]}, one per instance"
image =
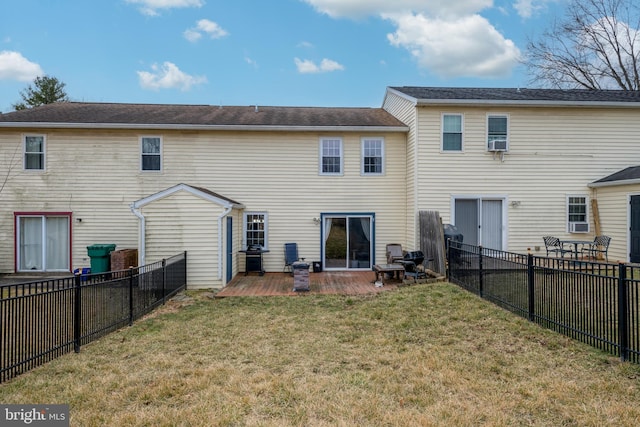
{"type": "Point", "coordinates": [347, 241]}
{"type": "Point", "coordinates": [43, 243]}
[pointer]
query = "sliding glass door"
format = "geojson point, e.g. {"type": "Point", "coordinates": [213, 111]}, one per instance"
{"type": "Point", "coordinates": [347, 241]}
{"type": "Point", "coordinates": [43, 243]}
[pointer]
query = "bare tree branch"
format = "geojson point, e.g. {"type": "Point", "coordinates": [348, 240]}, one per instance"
{"type": "Point", "coordinates": [593, 47]}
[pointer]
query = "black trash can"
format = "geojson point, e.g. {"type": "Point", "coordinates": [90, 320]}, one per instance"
{"type": "Point", "coordinates": [317, 266]}
{"type": "Point", "coordinates": [451, 232]}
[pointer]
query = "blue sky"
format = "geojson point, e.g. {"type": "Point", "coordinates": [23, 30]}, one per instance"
{"type": "Point", "coordinates": [278, 52]}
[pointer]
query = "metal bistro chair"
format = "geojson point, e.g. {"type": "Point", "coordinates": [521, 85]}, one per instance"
{"type": "Point", "coordinates": [599, 248]}
{"type": "Point", "coordinates": [554, 246]}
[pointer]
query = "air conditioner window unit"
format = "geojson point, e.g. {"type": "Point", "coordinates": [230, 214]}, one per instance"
{"type": "Point", "coordinates": [498, 145]}
{"type": "Point", "coordinates": [578, 227]}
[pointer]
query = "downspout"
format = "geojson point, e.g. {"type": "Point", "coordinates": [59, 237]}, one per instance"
{"type": "Point", "coordinates": [142, 251]}
{"type": "Point", "coordinates": [220, 246]}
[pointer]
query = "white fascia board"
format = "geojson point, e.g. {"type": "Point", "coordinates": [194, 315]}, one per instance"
{"type": "Point", "coordinates": [519, 103]}
{"type": "Point", "coordinates": [184, 187]}
{"type": "Point", "coordinates": [256, 128]}
{"type": "Point", "coordinates": [613, 183]}
{"type": "Point", "coordinates": [415, 101]}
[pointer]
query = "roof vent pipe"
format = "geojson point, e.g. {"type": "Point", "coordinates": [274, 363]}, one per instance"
{"type": "Point", "coordinates": [256, 108]}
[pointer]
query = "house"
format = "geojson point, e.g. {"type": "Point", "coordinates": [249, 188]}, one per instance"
{"type": "Point", "coordinates": [210, 180]}
{"type": "Point", "coordinates": [506, 166]}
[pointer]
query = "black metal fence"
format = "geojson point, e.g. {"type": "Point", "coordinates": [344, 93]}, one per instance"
{"type": "Point", "coordinates": [593, 302]}
{"type": "Point", "coordinates": [42, 320]}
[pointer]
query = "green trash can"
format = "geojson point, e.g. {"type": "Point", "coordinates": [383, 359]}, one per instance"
{"type": "Point", "coordinates": [100, 257]}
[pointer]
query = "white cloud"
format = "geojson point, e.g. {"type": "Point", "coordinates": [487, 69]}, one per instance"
{"type": "Point", "coordinates": [307, 66]}
{"type": "Point", "coordinates": [361, 8]}
{"type": "Point", "coordinates": [447, 37]}
{"type": "Point", "coordinates": [205, 26]}
{"type": "Point", "coordinates": [527, 8]}
{"type": "Point", "coordinates": [14, 66]}
{"type": "Point", "coordinates": [151, 7]}
{"type": "Point", "coordinates": [251, 62]}
{"type": "Point", "coordinates": [468, 46]}
{"type": "Point", "coordinates": [168, 76]}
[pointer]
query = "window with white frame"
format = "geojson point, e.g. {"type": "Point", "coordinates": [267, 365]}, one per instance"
{"type": "Point", "coordinates": [255, 229]}
{"type": "Point", "coordinates": [372, 156]}
{"type": "Point", "coordinates": [34, 152]}
{"type": "Point", "coordinates": [578, 214]}
{"type": "Point", "coordinates": [331, 156]}
{"type": "Point", "coordinates": [497, 129]}
{"type": "Point", "coordinates": [452, 132]}
{"type": "Point", "coordinates": [151, 153]}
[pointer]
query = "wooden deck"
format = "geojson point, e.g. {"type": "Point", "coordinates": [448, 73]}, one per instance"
{"type": "Point", "coordinates": [326, 282]}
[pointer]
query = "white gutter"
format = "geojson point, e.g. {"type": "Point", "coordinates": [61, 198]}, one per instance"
{"type": "Point", "coordinates": [142, 251]}
{"type": "Point", "coordinates": [220, 246]}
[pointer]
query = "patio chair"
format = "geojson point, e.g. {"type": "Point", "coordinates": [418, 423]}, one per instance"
{"type": "Point", "coordinates": [553, 245]}
{"type": "Point", "coordinates": [394, 253]}
{"type": "Point", "coordinates": [290, 256]}
{"type": "Point", "coordinates": [599, 248]}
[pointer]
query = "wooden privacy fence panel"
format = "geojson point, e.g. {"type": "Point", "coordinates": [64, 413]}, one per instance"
{"type": "Point", "coordinates": [432, 239]}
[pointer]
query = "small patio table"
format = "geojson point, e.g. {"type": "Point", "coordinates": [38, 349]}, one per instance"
{"type": "Point", "coordinates": [575, 244]}
{"type": "Point", "coordinates": [381, 269]}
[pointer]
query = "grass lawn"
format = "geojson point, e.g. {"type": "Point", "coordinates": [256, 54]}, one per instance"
{"type": "Point", "coordinates": [423, 355]}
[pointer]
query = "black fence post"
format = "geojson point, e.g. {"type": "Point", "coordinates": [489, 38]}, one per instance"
{"type": "Point", "coordinates": [623, 320]}
{"type": "Point", "coordinates": [185, 270]}
{"type": "Point", "coordinates": [77, 312]}
{"type": "Point", "coordinates": [130, 296]}
{"type": "Point", "coordinates": [480, 273]}
{"type": "Point", "coordinates": [164, 281]}
{"type": "Point", "coordinates": [531, 284]}
{"type": "Point", "coordinates": [448, 255]}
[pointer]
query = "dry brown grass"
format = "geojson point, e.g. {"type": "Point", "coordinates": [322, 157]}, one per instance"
{"type": "Point", "coordinates": [424, 355]}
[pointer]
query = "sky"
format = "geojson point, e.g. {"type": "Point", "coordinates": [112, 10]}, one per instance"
{"type": "Point", "coordinates": [325, 53]}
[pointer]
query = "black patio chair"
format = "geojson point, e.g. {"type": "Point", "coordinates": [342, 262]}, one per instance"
{"type": "Point", "coordinates": [599, 248]}
{"type": "Point", "coordinates": [553, 245]}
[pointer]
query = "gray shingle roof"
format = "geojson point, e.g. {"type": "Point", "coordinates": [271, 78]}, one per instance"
{"type": "Point", "coordinates": [631, 174]}
{"type": "Point", "coordinates": [202, 115]}
{"type": "Point", "coordinates": [523, 95]}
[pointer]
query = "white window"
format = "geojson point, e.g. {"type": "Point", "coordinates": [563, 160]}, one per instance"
{"type": "Point", "coordinates": [577, 214]}
{"type": "Point", "coordinates": [372, 156]}
{"type": "Point", "coordinates": [452, 132]}
{"type": "Point", "coordinates": [497, 130]}
{"type": "Point", "coordinates": [255, 230]}
{"type": "Point", "coordinates": [151, 153]}
{"type": "Point", "coordinates": [331, 156]}
{"type": "Point", "coordinates": [43, 242]}
{"type": "Point", "coordinates": [34, 152]}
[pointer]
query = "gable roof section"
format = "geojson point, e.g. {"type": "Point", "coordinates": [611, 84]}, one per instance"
{"type": "Point", "coordinates": [517, 96]}
{"type": "Point", "coordinates": [203, 193]}
{"type": "Point", "coordinates": [630, 175]}
{"type": "Point", "coordinates": [167, 116]}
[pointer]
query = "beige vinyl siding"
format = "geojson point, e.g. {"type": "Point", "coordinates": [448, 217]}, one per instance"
{"type": "Point", "coordinates": [553, 153]}
{"type": "Point", "coordinates": [184, 222]}
{"type": "Point", "coordinates": [613, 206]}
{"type": "Point", "coordinates": [96, 176]}
{"type": "Point", "coordinates": [405, 110]}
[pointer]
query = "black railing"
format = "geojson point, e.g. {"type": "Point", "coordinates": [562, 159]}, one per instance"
{"type": "Point", "coordinates": [42, 320]}
{"type": "Point", "coordinates": [593, 302]}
